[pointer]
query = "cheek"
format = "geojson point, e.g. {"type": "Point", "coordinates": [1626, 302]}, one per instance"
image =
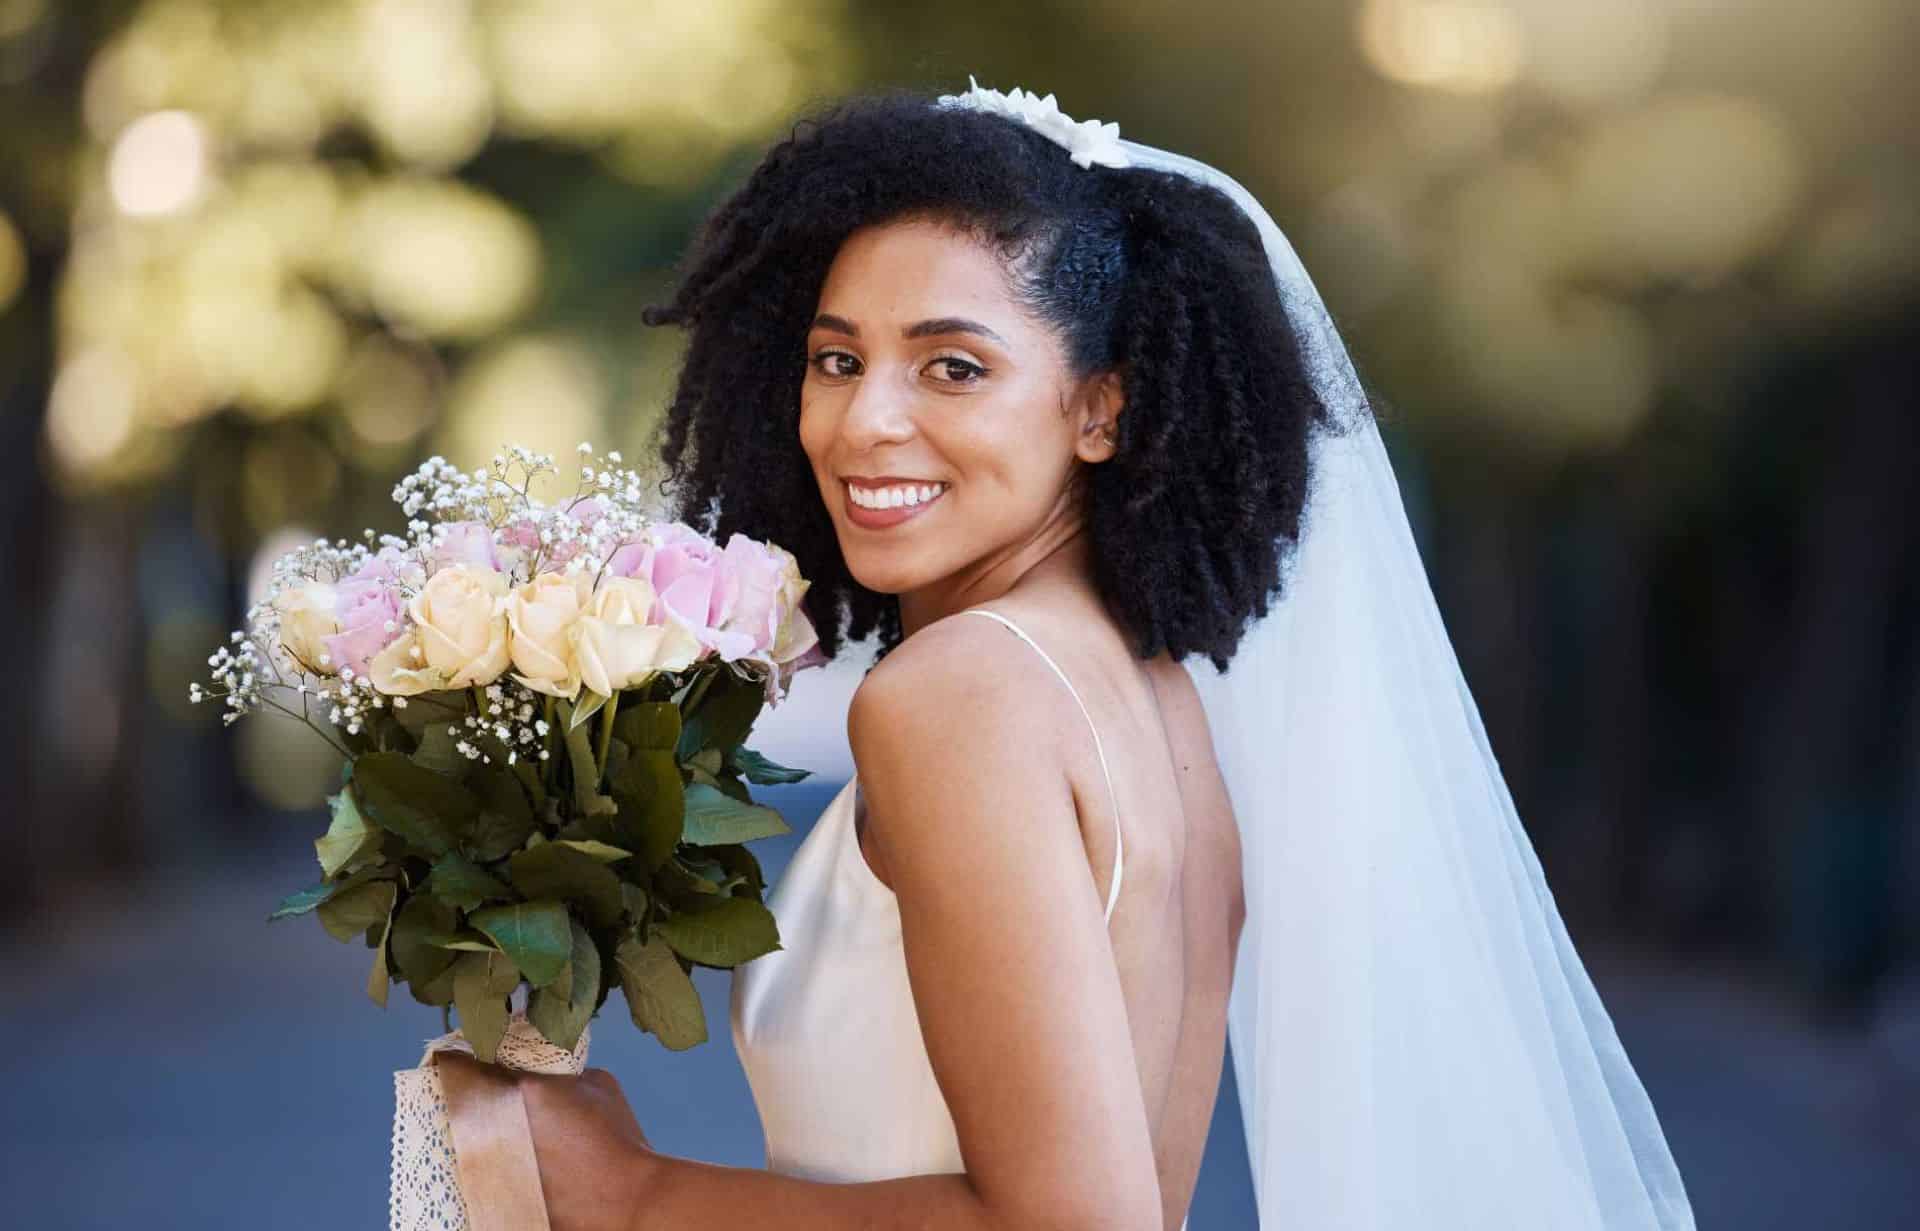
{"type": "Point", "coordinates": [1014, 452]}
{"type": "Point", "coordinates": [816, 428]}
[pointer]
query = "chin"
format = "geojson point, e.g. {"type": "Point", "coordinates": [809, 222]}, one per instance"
{"type": "Point", "coordinates": [885, 576]}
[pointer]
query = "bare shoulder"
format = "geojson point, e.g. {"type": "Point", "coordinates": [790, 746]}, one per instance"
{"type": "Point", "coordinates": [955, 677]}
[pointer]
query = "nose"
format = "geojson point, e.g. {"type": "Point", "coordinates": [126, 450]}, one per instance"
{"type": "Point", "coordinates": [877, 412]}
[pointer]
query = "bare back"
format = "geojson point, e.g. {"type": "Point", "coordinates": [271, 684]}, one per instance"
{"type": "Point", "coordinates": [1176, 924]}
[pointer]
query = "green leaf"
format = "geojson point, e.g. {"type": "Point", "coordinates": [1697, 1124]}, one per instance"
{"type": "Point", "coordinates": [422, 711]}
{"type": "Point", "coordinates": [437, 991]}
{"type": "Point", "coordinates": [495, 836]}
{"type": "Point", "coordinates": [378, 980]}
{"type": "Point", "coordinates": [583, 710]}
{"type": "Point", "coordinates": [723, 716]}
{"type": "Point", "coordinates": [347, 914]}
{"type": "Point", "coordinates": [648, 724]}
{"type": "Point", "coordinates": [659, 994]}
{"type": "Point", "coordinates": [652, 799]}
{"type": "Point", "coordinates": [468, 941]}
{"type": "Point", "coordinates": [481, 984]}
{"type": "Point", "coordinates": [459, 881]}
{"type": "Point", "coordinates": [556, 870]}
{"type": "Point", "coordinates": [731, 931]}
{"type": "Point", "coordinates": [436, 750]}
{"type": "Point", "coordinates": [311, 897]}
{"type": "Point", "coordinates": [617, 754]}
{"type": "Point", "coordinates": [429, 810]}
{"type": "Point", "coordinates": [762, 772]}
{"type": "Point", "coordinates": [500, 791]}
{"type": "Point", "coordinates": [348, 838]}
{"type": "Point", "coordinates": [562, 1016]}
{"type": "Point", "coordinates": [599, 851]}
{"type": "Point", "coordinates": [714, 818]}
{"type": "Point", "coordinates": [415, 929]}
{"type": "Point", "coordinates": [302, 902]}
{"type": "Point", "coordinates": [536, 935]}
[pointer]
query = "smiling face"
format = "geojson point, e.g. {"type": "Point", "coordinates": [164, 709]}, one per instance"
{"type": "Point", "coordinates": [940, 418]}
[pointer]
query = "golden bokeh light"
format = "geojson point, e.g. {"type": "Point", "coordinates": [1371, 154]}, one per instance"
{"type": "Point", "coordinates": [541, 391]}
{"type": "Point", "coordinates": [160, 164]}
{"type": "Point", "coordinates": [1595, 54]}
{"type": "Point", "coordinates": [1454, 45]}
{"type": "Point", "coordinates": [13, 262]}
{"type": "Point", "coordinates": [438, 255]}
{"type": "Point", "coordinates": [422, 87]}
{"type": "Point", "coordinates": [91, 409]}
{"type": "Point", "coordinates": [1687, 188]}
{"type": "Point", "coordinates": [674, 86]}
{"type": "Point", "coordinates": [387, 392]}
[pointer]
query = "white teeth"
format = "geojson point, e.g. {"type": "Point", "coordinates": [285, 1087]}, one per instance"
{"type": "Point", "coordinates": [894, 497]}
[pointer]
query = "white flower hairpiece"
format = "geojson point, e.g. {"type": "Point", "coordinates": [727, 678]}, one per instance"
{"type": "Point", "coordinates": [1088, 141]}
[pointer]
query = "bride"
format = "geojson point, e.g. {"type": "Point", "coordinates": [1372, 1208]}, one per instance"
{"type": "Point", "coordinates": [1202, 764]}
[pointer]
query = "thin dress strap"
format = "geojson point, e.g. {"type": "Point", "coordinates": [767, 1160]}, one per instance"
{"type": "Point", "coordinates": [1119, 863]}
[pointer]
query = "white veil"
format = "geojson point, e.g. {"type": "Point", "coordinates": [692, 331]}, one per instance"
{"type": "Point", "coordinates": [1415, 1041]}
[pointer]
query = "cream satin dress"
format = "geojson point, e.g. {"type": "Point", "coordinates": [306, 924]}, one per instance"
{"type": "Point", "coordinates": [825, 1026]}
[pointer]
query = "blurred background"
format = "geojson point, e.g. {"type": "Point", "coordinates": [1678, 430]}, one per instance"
{"type": "Point", "coordinates": [1635, 280]}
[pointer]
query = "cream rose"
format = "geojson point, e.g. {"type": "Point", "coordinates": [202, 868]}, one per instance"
{"type": "Point", "coordinates": [616, 646]}
{"type": "Point", "coordinates": [400, 670]}
{"type": "Point", "coordinates": [540, 618]}
{"type": "Point", "coordinates": [461, 620]}
{"type": "Point", "coordinates": [306, 620]}
{"type": "Point", "coordinates": [795, 634]}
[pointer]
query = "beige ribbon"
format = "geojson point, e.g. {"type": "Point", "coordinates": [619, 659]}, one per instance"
{"type": "Point", "coordinates": [492, 1145]}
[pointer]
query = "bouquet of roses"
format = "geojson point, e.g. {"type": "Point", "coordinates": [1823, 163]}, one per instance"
{"type": "Point", "coordinates": [542, 712]}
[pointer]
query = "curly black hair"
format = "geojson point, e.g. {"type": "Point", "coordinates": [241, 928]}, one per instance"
{"type": "Point", "coordinates": [1147, 271]}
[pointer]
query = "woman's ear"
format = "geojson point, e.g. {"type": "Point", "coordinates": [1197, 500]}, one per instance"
{"type": "Point", "coordinates": [1102, 400]}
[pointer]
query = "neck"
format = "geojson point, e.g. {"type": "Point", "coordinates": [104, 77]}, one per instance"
{"type": "Point", "coordinates": [1058, 551]}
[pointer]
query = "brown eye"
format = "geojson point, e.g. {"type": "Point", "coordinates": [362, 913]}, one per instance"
{"type": "Point", "coordinates": [821, 360]}
{"type": "Point", "coordinates": [959, 371]}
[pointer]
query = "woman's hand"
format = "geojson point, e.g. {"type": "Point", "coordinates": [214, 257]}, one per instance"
{"type": "Point", "coordinates": [590, 1148]}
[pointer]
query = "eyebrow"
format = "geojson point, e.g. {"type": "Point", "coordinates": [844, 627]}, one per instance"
{"type": "Point", "coordinates": [920, 329]}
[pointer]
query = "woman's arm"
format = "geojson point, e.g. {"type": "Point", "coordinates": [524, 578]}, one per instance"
{"type": "Point", "coordinates": [598, 1172]}
{"type": "Point", "coordinates": [960, 747]}
{"type": "Point", "coordinates": [681, 1192]}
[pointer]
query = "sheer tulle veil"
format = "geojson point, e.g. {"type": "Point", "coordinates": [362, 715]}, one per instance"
{"type": "Point", "coordinates": [1416, 1043]}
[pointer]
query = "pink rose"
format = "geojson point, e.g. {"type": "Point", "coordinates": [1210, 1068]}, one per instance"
{"type": "Point", "coordinates": [697, 585]}
{"type": "Point", "coordinates": [464, 542]}
{"type": "Point", "coordinates": [756, 611]}
{"type": "Point", "coordinates": [368, 610]}
{"type": "Point", "coordinates": [768, 605]}
{"type": "Point", "coordinates": [367, 607]}
{"type": "Point", "coordinates": [740, 602]}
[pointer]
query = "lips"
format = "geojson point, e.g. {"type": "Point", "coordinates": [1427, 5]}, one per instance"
{"type": "Point", "coordinates": [889, 488]}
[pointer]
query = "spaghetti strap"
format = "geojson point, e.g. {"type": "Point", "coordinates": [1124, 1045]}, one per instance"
{"type": "Point", "coordinates": [1119, 862]}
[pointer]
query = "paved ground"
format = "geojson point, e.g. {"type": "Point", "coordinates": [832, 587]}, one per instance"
{"type": "Point", "coordinates": [172, 1062]}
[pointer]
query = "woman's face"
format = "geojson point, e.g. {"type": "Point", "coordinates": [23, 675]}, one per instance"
{"type": "Point", "coordinates": [926, 381]}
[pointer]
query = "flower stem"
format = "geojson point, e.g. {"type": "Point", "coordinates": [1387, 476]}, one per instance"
{"type": "Point", "coordinates": [606, 737]}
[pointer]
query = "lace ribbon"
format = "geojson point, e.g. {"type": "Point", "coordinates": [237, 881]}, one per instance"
{"type": "Point", "coordinates": [462, 1151]}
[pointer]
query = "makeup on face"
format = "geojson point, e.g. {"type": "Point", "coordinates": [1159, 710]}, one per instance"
{"type": "Point", "coordinates": [930, 409]}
